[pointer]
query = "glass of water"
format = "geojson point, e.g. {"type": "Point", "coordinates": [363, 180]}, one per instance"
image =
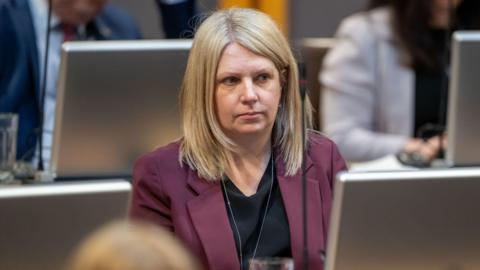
{"type": "Point", "coordinates": [271, 264]}
{"type": "Point", "coordinates": [8, 146]}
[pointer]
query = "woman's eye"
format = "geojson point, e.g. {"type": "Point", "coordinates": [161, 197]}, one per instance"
{"type": "Point", "coordinates": [263, 77]}
{"type": "Point", "coordinates": [230, 81]}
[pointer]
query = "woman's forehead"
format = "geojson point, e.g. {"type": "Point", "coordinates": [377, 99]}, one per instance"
{"type": "Point", "coordinates": [236, 57]}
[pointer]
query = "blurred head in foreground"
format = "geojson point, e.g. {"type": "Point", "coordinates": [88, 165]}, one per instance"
{"type": "Point", "coordinates": [131, 246]}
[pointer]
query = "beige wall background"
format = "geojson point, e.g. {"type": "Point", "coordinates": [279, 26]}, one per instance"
{"type": "Point", "coordinates": [308, 18]}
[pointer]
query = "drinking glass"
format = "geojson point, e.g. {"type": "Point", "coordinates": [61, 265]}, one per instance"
{"type": "Point", "coordinates": [8, 143]}
{"type": "Point", "coordinates": [275, 263]}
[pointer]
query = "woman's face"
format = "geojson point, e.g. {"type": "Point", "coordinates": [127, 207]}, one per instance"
{"type": "Point", "coordinates": [443, 4]}
{"type": "Point", "coordinates": [440, 12]}
{"type": "Point", "coordinates": [247, 92]}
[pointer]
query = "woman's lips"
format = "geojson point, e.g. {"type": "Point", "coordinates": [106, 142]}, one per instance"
{"type": "Point", "coordinates": [249, 115]}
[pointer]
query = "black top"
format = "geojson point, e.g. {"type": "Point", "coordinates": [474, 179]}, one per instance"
{"type": "Point", "coordinates": [428, 94]}
{"type": "Point", "coordinates": [248, 213]}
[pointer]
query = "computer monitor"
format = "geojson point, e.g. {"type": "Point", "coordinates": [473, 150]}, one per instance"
{"type": "Point", "coordinates": [463, 125]}
{"type": "Point", "coordinates": [116, 100]}
{"type": "Point", "coordinates": [40, 225]}
{"type": "Point", "coordinates": [415, 220]}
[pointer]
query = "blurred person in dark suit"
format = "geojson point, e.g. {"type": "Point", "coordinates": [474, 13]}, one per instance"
{"type": "Point", "coordinates": [23, 28]}
{"type": "Point", "coordinates": [177, 17]}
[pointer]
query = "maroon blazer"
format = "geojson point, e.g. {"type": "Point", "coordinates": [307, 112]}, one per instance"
{"type": "Point", "coordinates": [174, 197]}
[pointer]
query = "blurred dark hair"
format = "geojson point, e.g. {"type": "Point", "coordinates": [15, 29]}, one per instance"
{"type": "Point", "coordinates": [411, 25]}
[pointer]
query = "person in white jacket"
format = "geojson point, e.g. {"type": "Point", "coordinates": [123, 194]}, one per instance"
{"type": "Point", "coordinates": [383, 79]}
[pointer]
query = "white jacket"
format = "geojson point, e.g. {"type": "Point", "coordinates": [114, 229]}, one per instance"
{"type": "Point", "coordinates": [367, 103]}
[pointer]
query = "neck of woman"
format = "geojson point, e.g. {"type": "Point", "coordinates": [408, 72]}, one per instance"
{"type": "Point", "coordinates": [247, 165]}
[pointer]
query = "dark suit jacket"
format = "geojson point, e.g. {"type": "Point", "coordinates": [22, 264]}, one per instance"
{"type": "Point", "coordinates": [178, 19]}
{"type": "Point", "coordinates": [19, 67]}
{"type": "Point", "coordinates": [175, 197]}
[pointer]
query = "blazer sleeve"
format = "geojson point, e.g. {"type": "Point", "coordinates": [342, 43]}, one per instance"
{"type": "Point", "coordinates": [349, 99]}
{"type": "Point", "coordinates": [149, 201]}
{"type": "Point", "coordinates": [338, 164]}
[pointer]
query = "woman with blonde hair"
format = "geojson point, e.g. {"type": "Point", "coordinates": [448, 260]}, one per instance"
{"type": "Point", "coordinates": [231, 187]}
{"type": "Point", "coordinates": [131, 246]}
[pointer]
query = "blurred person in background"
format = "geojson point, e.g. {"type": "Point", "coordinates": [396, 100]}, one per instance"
{"type": "Point", "coordinates": [385, 80]}
{"type": "Point", "coordinates": [131, 246]}
{"type": "Point", "coordinates": [177, 17]}
{"type": "Point", "coordinates": [23, 30]}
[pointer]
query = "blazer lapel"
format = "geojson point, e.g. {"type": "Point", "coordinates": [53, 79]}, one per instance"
{"type": "Point", "coordinates": [24, 27]}
{"type": "Point", "coordinates": [210, 220]}
{"type": "Point", "coordinates": [291, 190]}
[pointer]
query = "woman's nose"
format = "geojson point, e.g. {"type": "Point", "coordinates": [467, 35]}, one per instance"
{"type": "Point", "coordinates": [249, 92]}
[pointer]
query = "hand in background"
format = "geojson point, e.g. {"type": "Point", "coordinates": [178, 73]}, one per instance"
{"type": "Point", "coordinates": [420, 153]}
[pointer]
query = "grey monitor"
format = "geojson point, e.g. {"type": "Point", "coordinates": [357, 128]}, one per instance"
{"type": "Point", "coordinates": [40, 225]}
{"type": "Point", "coordinates": [416, 220]}
{"type": "Point", "coordinates": [116, 100]}
{"type": "Point", "coordinates": [463, 124]}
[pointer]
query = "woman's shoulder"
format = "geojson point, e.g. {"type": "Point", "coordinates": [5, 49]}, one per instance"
{"type": "Point", "coordinates": [164, 153]}
{"type": "Point", "coordinates": [164, 159]}
{"type": "Point", "coordinates": [321, 147]}
{"type": "Point", "coordinates": [318, 140]}
{"type": "Point", "coordinates": [325, 154]}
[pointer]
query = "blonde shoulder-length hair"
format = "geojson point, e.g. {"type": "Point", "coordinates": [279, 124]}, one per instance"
{"type": "Point", "coordinates": [204, 147]}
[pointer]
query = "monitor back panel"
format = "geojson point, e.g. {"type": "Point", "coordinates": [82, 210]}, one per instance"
{"type": "Point", "coordinates": [116, 101]}
{"type": "Point", "coordinates": [40, 226]}
{"type": "Point", "coordinates": [417, 220]}
{"type": "Point", "coordinates": [463, 123]}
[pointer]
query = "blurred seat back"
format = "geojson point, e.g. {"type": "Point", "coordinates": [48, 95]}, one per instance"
{"type": "Point", "coordinates": [313, 51]}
